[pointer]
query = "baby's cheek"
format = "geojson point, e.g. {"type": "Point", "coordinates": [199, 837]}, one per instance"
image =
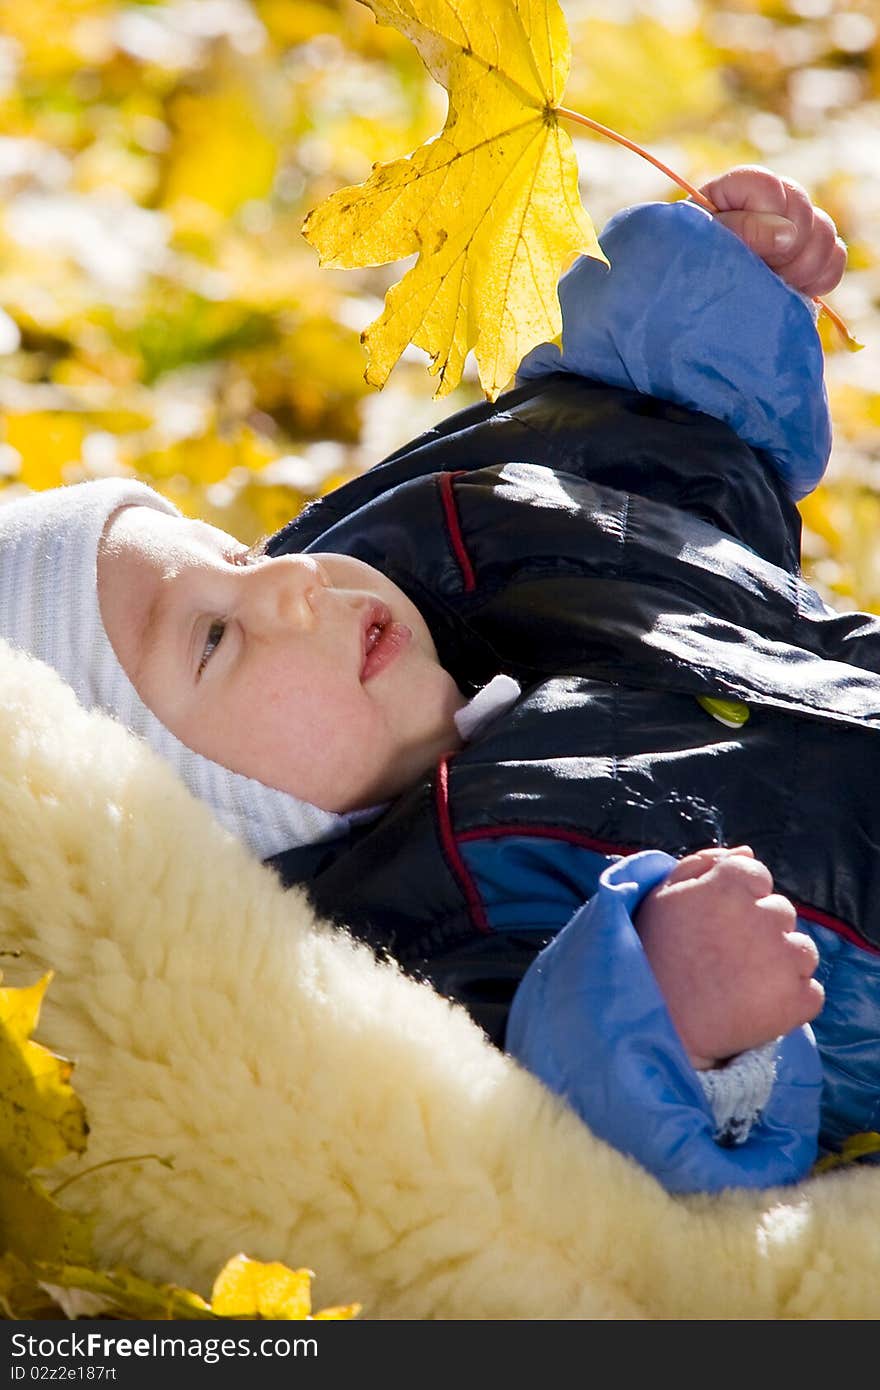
{"type": "Point", "coordinates": [353, 751]}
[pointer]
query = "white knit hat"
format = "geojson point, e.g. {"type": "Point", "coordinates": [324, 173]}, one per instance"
{"type": "Point", "coordinates": [49, 608]}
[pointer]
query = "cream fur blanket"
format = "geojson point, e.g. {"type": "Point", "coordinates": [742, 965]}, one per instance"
{"type": "Point", "coordinates": [320, 1108]}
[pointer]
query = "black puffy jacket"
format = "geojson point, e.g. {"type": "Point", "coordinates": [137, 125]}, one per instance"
{"type": "Point", "coordinates": [620, 556]}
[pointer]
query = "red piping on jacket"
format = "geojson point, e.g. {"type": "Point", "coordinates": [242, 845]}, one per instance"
{"type": "Point", "coordinates": [824, 919]}
{"type": "Point", "coordinates": [574, 837]}
{"type": "Point", "coordinates": [450, 849]}
{"type": "Point", "coordinates": [453, 526]}
{"type": "Point", "coordinates": [548, 832]}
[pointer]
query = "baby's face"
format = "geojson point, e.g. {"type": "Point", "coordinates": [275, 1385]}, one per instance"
{"type": "Point", "coordinates": [313, 674]}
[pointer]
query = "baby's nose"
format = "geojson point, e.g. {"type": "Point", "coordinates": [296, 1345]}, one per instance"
{"type": "Point", "coordinates": [286, 592]}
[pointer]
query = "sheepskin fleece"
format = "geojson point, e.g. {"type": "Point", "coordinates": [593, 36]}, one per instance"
{"type": "Point", "coordinates": [320, 1108]}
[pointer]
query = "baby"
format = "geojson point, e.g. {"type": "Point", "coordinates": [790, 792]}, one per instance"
{"type": "Point", "coordinates": [321, 679]}
{"type": "Point", "coordinates": [327, 711]}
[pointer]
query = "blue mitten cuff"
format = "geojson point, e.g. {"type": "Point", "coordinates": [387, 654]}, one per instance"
{"type": "Point", "coordinates": [589, 1020]}
{"type": "Point", "coordinates": [689, 313]}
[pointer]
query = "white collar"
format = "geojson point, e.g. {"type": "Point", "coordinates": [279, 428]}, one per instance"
{"type": "Point", "coordinates": [494, 699]}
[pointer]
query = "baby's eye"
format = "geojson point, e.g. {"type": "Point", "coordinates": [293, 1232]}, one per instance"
{"type": "Point", "coordinates": [215, 637]}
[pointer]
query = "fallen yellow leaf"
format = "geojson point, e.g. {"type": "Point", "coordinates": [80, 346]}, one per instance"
{"type": "Point", "coordinates": [41, 1119]}
{"type": "Point", "coordinates": [855, 1147]}
{"type": "Point", "coordinates": [248, 1288]}
{"type": "Point", "coordinates": [21, 1294]}
{"type": "Point", "coordinates": [491, 206]}
{"type": "Point", "coordinates": [34, 1227]}
{"type": "Point", "coordinates": [82, 1291]}
{"type": "Point", "coordinates": [245, 1289]}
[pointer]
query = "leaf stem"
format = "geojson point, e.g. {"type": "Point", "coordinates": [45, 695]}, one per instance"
{"type": "Point", "coordinates": [638, 149]}
{"type": "Point", "coordinates": [108, 1163]}
{"type": "Point", "coordinates": [850, 342]}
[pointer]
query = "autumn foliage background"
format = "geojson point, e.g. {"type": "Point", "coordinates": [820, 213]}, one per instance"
{"type": "Point", "coordinates": [162, 315]}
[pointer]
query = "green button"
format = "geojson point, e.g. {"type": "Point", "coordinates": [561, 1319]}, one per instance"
{"type": "Point", "coordinates": [732, 713]}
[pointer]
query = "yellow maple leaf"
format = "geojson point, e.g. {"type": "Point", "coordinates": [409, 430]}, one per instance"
{"type": "Point", "coordinates": [491, 205]}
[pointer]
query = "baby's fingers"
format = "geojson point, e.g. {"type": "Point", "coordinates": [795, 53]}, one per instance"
{"type": "Point", "coordinates": [819, 264]}
{"type": "Point", "coordinates": [770, 235]}
{"type": "Point", "coordinates": [702, 860]}
{"type": "Point", "coordinates": [792, 962]}
{"type": "Point", "coordinates": [743, 879]}
{"type": "Point", "coordinates": [772, 215]}
{"type": "Point", "coordinates": [807, 995]}
{"type": "Point", "coordinates": [809, 256]}
{"type": "Point", "coordinates": [804, 952]}
{"type": "Point", "coordinates": [776, 219]}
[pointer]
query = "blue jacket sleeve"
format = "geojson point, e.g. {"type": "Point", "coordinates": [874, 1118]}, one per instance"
{"type": "Point", "coordinates": [589, 1020]}
{"type": "Point", "coordinates": [689, 313]}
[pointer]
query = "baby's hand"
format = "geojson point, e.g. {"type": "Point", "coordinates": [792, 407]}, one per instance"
{"type": "Point", "coordinates": [774, 216]}
{"type": "Point", "coordinates": [733, 970]}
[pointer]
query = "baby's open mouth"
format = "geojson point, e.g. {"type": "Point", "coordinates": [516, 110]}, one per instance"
{"type": "Point", "coordinates": [383, 641]}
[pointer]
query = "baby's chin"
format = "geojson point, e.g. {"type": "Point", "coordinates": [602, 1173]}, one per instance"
{"type": "Point", "coordinates": [411, 768]}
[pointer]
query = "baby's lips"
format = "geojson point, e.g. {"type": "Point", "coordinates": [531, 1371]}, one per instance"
{"type": "Point", "coordinates": [375, 614]}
